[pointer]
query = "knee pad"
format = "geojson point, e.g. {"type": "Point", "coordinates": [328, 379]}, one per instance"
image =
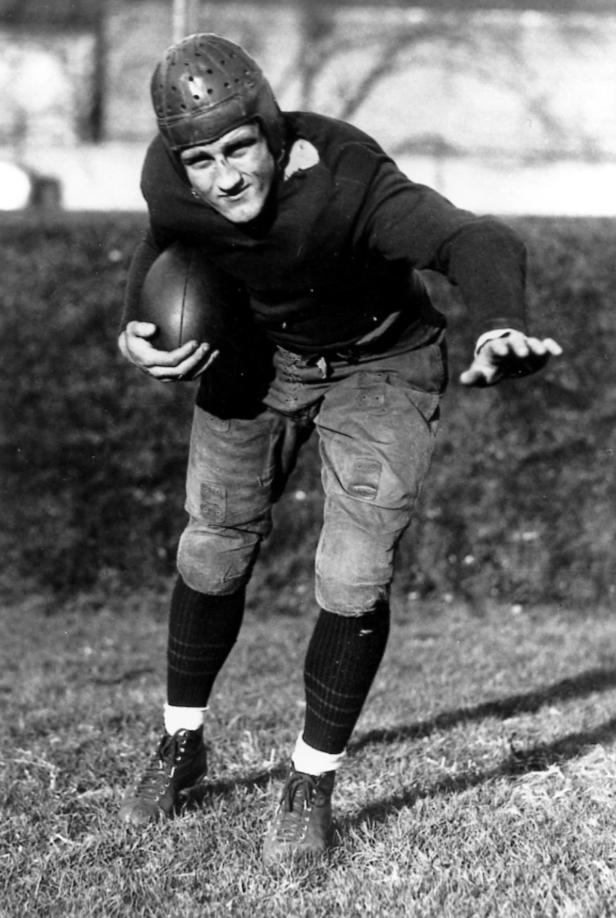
{"type": "Point", "coordinates": [353, 572]}
{"type": "Point", "coordinates": [216, 561]}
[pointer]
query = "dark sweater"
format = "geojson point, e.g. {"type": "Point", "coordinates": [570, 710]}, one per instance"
{"type": "Point", "coordinates": [339, 245]}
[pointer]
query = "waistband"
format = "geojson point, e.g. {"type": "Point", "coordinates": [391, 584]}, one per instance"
{"type": "Point", "coordinates": [398, 336]}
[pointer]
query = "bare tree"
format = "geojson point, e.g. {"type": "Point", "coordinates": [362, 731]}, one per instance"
{"type": "Point", "coordinates": [490, 50]}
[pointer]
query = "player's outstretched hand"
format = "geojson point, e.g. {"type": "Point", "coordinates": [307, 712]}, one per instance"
{"type": "Point", "coordinates": [510, 357]}
{"type": "Point", "coordinates": [186, 362]}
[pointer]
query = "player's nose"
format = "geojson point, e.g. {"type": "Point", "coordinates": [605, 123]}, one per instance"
{"type": "Point", "coordinates": [228, 177]}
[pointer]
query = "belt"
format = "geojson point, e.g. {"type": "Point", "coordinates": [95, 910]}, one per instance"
{"type": "Point", "coordinates": [375, 341]}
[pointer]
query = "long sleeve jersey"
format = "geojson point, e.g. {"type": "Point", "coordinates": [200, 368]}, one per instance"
{"type": "Point", "coordinates": [340, 244]}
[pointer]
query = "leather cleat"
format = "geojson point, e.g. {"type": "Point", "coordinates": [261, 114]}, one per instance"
{"type": "Point", "coordinates": [303, 826]}
{"type": "Point", "coordinates": [179, 763]}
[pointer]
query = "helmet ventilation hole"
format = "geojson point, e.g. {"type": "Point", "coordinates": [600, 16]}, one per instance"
{"type": "Point", "coordinates": [202, 78]}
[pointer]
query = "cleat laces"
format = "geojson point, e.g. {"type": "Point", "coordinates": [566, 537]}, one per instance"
{"type": "Point", "coordinates": [160, 769]}
{"type": "Point", "coordinates": [297, 799]}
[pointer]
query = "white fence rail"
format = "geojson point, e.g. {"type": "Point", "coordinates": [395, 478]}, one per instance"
{"type": "Point", "coordinates": [502, 111]}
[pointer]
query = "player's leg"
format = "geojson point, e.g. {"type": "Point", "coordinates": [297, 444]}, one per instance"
{"type": "Point", "coordinates": [377, 438]}
{"type": "Point", "coordinates": [235, 472]}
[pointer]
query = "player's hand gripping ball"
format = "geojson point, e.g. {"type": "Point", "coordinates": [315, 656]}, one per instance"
{"type": "Point", "coordinates": [188, 298]}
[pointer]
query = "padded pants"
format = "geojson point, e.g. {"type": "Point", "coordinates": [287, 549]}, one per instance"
{"type": "Point", "coordinates": [376, 420]}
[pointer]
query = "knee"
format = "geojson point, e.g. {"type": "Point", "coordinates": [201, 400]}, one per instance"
{"type": "Point", "coordinates": [218, 562]}
{"type": "Point", "coordinates": [353, 574]}
{"type": "Point", "coordinates": [351, 600]}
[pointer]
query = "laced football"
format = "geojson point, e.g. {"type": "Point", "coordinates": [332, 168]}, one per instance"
{"type": "Point", "coordinates": [189, 299]}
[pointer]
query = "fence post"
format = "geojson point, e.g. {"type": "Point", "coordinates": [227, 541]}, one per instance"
{"type": "Point", "coordinates": [185, 16]}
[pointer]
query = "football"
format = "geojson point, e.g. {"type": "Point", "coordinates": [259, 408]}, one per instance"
{"type": "Point", "coordinates": [190, 299]}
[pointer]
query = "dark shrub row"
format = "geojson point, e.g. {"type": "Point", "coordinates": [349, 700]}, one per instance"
{"type": "Point", "coordinates": [519, 501]}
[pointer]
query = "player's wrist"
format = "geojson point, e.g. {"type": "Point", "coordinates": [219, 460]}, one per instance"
{"type": "Point", "coordinates": [491, 335]}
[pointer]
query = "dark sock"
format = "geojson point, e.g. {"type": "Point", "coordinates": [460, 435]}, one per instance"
{"type": "Point", "coordinates": [202, 631]}
{"type": "Point", "coordinates": [343, 657]}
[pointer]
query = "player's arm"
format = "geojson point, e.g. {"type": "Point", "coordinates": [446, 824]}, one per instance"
{"type": "Point", "coordinates": [487, 260]}
{"type": "Point", "coordinates": [188, 361]}
{"type": "Point", "coordinates": [482, 256]}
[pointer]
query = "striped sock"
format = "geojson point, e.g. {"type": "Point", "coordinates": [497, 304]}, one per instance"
{"type": "Point", "coordinates": [343, 657]}
{"type": "Point", "coordinates": [202, 631]}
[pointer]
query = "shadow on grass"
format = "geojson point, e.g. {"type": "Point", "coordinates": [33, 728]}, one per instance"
{"type": "Point", "coordinates": [537, 758]}
{"type": "Point", "coordinates": [519, 761]}
{"type": "Point", "coordinates": [198, 796]}
{"type": "Point", "coordinates": [595, 680]}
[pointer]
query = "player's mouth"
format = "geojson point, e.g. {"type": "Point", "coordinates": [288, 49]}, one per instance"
{"type": "Point", "coordinates": [241, 203]}
{"type": "Point", "coordinates": [235, 194]}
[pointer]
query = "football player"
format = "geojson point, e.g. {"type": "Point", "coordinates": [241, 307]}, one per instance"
{"type": "Point", "coordinates": [328, 239]}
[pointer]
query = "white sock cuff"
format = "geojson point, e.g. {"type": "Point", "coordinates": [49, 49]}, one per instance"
{"type": "Point", "coordinates": [178, 718]}
{"type": "Point", "coordinates": [313, 762]}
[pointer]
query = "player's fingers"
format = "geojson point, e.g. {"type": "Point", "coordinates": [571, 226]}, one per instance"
{"type": "Point", "coordinates": [478, 376]}
{"type": "Point", "coordinates": [499, 347]}
{"type": "Point", "coordinates": [536, 346]}
{"type": "Point", "coordinates": [140, 329]}
{"type": "Point", "coordinates": [176, 361]}
{"type": "Point", "coordinates": [135, 344]}
{"type": "Point", "coordinates": [184, 369]}
{"type": "Point", "coordinates": [521, 346]}
{"type": "Point", "coordinates": [187, 351]}
{"type": "Point", "coordinates": [208, 363]}
{"type": "Point", "coordinates": [188, 367]}
{"type": "Point", "coordinates": [123, 345]}
{"type": "Point", "coordinates": [552, 347]}
{"type": "Point", "coordinates": [541, 346]}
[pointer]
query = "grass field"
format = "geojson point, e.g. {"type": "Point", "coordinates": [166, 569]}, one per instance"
{"type": "Point", "coordinates": [480, 781]}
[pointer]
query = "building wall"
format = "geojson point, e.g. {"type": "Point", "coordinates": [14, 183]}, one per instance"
{"type": "Point", "coordinates": [498, 109]}
{"type": "Point", "coordinates": [46, 86]}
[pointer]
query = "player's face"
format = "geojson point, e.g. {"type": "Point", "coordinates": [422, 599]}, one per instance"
{"type": "Point", "coordinates": [233, 174]}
